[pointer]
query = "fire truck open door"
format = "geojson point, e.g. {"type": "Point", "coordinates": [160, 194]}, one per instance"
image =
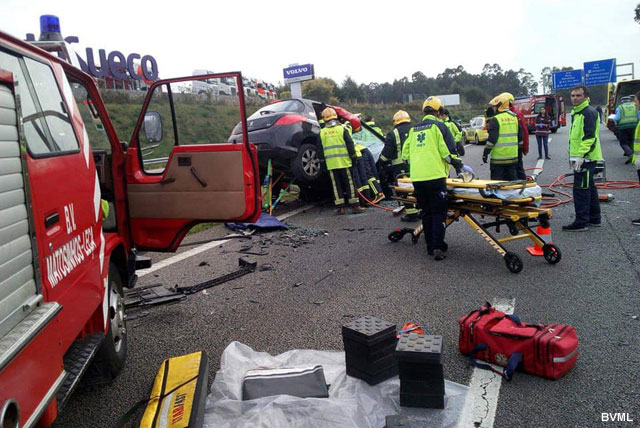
{"type": "Point", "coordinates": [178, 174]}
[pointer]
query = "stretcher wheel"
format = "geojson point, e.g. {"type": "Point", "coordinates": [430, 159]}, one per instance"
{"type": "Point", "coordinates": [513, 262]}
{"type": "Point", "coordinates": [513, 229]}
{"type": "Point", "coordinates": [551, 253]}
{"type": "Point", "coordinates": [414, 238]}
{"type": "Point", "coordinates": [396, 235]}
{"type": "Point", "coordinates": [544, 221]}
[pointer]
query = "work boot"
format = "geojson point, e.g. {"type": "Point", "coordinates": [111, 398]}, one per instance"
{"type": "Point", "coordinates": [438, 255]}
{"type": "Point", "coordinates": [340, 211]}
{"type": "Point", "coordinates": [628, 161]}
{"type": "Point", "coordinates": [574, 228]}
{"type": "Point", "coordinates": [636, 222]}
{"type": "Point", "coordinates": [358, 210]}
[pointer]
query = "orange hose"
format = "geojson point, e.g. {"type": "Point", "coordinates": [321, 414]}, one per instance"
{"type": "Point", "coordinates": [551, 202]}
{"type": "Point", "coordinates": [372, 204]}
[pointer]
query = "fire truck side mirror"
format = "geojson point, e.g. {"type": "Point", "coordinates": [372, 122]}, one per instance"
{"type": "Point", "coordinates": [153, 126]}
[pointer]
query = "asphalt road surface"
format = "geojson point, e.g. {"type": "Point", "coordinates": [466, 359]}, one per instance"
{"type": "Point", "coordinates": [329, 269]}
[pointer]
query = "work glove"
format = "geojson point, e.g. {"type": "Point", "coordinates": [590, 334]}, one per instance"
{"type": "Point", "coordinates": [457, 163]}
{"type": "Point", "coordinates": [576, 164]}
{"type": "Point", "coordinates": [485, 155]}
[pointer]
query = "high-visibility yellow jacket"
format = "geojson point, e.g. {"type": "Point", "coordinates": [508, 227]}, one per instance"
{"type": "Point", "coordinates": [426, 151]}
{"type": "Point", "coordinates": [505, 150]}
{"type": "Point", "coordinates": [584, 141]}
{"type": "Point", "coordinates": [334, 147]}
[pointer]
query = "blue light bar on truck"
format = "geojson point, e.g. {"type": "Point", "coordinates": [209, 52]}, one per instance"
{"type": "Point", "coordinates": [50, 28]}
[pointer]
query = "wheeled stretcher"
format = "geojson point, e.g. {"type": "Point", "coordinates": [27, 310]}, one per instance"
{"type": "Point", "coordinates": [513, 204]}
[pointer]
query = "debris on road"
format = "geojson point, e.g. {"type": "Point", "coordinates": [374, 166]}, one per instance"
{"type": "Point", "coordinates": [156, 294]}
{"type": "Point", "coordinates": [246, 266]}
{"type": "Point", "coordinates": [324, 277]}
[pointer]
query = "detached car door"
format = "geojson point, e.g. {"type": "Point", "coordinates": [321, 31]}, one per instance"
{"type": "Point", "coordinates": [180, 169]}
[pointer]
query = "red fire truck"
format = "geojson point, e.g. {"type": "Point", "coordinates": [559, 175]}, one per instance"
{"type": "Point", "coordinates": [531, 106]}
{"type": "Point", "coordinates": [64, 257]}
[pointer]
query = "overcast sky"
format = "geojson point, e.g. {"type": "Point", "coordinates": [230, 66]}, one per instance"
{"type": "Point", "coordinates": [372, 41]}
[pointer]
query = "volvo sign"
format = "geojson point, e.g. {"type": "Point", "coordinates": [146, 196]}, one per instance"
{"type": "Point", "coordinates": [298, 73]}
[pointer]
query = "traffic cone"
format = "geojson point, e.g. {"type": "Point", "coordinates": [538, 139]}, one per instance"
{"type": "Point", "coordinates": [545, 234]}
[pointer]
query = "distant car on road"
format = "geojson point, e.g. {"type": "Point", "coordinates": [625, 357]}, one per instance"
{"type": "Point", "coordinates": [288, 133]}
{"type": "Point", "coordinates": [476, 132]}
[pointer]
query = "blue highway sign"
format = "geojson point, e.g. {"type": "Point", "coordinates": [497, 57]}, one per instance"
{"type": "Point", "coordinates": [567, 79]}
{"type": "Point", "coordinates": [599, 72]}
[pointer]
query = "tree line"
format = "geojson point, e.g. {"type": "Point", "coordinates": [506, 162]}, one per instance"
{"type": "Point", "coordinates": [473, 88]}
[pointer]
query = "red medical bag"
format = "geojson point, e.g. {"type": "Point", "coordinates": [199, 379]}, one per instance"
{"type": "Point", "coordinates": [493, 336]}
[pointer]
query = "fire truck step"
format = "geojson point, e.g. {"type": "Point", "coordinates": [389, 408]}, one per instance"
{"type": "Point", "coordinates": [76, 361]}
{"type": "Point", "coordinates": [142, 262]}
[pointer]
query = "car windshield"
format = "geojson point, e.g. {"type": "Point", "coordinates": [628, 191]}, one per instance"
{"type": "Point", "coordinates": [370, 141]}
{"type": "Point", "coordinates": [292, 106]}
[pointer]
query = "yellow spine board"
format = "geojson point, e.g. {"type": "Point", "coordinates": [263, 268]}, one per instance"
{"type": "Point", "coordinates": [174, 392]}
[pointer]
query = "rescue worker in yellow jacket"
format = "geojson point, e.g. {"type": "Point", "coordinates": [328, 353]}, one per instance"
{"type": "Point", "coordinates": [429, 158]}
{"type": "Point", "coordinates": [369, 120]}
{"type": "Point", "coordinates": [635, 156]}
{"type": "Point", "coordinates": [505, 139]}
{"type": "Point", "coordinates": [391, 157]}
{"type": "Point", "coordinates": [584, 154]}
{"type": "Point", "coordinates": [455, 131]}
{"type": "Point", "coordinates": [338, 152]}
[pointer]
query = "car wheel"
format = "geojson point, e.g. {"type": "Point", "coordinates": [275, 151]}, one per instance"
{"type": "Point", "coordinates": [306, 165]}
{"type": "Point", "coordinates": [113, 352]}
{"type": "Point", "coordinates": [477, 140]}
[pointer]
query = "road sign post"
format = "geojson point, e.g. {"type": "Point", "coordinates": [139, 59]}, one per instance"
{"type": "Point", "coordinates": [566, 79]}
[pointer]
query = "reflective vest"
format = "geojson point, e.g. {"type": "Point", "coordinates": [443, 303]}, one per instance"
{"type": "Point", "coordinates": [628, 116]}
{"type": "Point", "coordinates": [359, 148]}
{"type": "Point", "coordinates": [457, 135]}
{"type": "Point", "coordinates": [636, 145]}
{"type": "Point", "coordinates": [578, 146]}
{"type": "Point", "coordinates": [334, 147]}
{"type": "Point", "coordinates": [375, 127]}
{"type": "Point", "coordinates": [426, 151]}
{"type": "Point", "coordinates": [398, 159]}
{"type": "Point", "coordinates": [505, 150]}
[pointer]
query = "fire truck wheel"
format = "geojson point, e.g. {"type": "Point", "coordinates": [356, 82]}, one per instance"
{"type": "Point", "coordinates": [113, 351]}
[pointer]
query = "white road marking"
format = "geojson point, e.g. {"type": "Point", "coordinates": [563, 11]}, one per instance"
{"type": "Point", "coordinates": [538, 170]}
{"type": "Point", "coordinates": [484, 388]}
{"type": "Point", "coordinates": [204, 247]}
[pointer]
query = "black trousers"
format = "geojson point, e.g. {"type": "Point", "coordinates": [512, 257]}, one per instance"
{"type": "Point", "coordinates": [504, 172]}
{"type": "Point", "coordinates": [360, 179]}
{"type": "Point", "coordinates": [432, 200]}
{"type": "Point", "coordinates": [373, 178]}
{"type": "Point", "coordinates": [520, 166]}
{"type": "Point", "coordinates": [343, 188]}
{"type": "Point", "coordinates": [625, 137]}
{"type": "Point", "coordinates": [585, 196]}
